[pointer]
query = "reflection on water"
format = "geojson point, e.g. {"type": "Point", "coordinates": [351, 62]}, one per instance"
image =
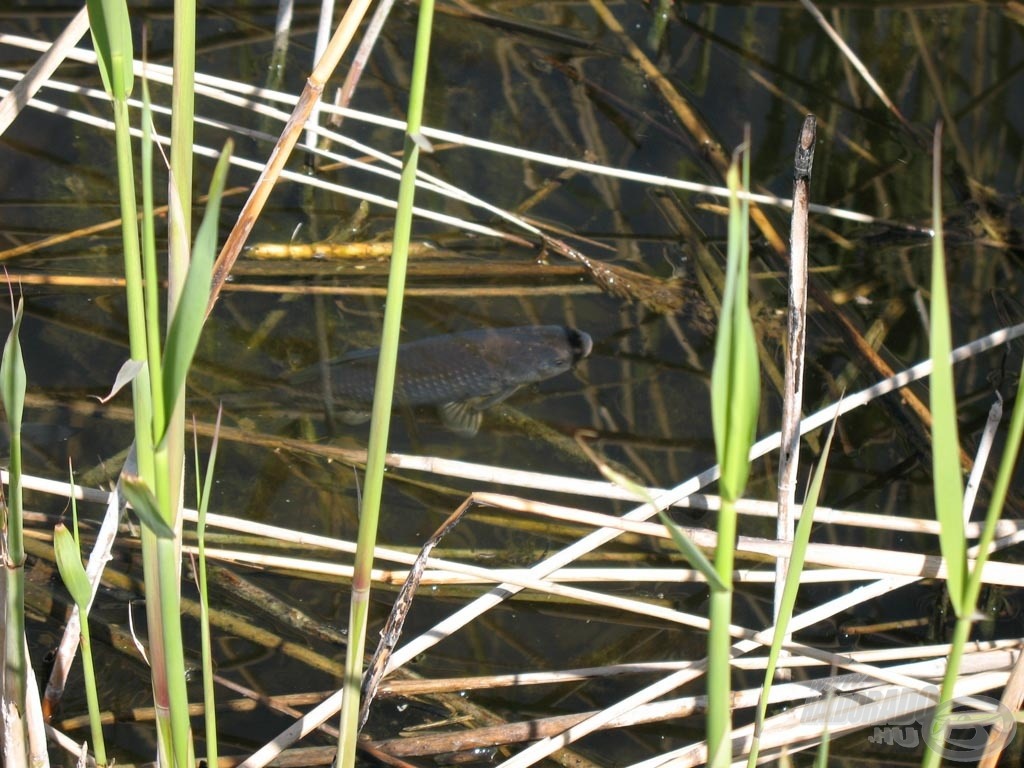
{"type": "Point", "coordinates": [551, 78]}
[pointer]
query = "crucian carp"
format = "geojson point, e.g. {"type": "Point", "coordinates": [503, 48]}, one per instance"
{"type": "Point", "coordinates": [459, 374]}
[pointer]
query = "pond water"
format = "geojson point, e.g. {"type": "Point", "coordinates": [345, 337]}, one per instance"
{"type": "Point", "coordinates": [551, 78]}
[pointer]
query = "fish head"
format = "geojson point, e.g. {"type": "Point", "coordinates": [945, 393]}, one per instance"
{"type": "Point", "coordinates": [544, 352]}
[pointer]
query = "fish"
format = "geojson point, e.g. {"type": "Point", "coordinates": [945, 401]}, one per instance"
{"type": "Point", "coordinates": [459, 374]}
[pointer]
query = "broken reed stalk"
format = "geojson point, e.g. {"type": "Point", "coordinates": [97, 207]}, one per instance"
{"type": "Point", "coordinates": [392, 631]}
{"type": "Point", "coordinates": [358, 66]}
{"type": "Point", "coordinates": [796, 336]}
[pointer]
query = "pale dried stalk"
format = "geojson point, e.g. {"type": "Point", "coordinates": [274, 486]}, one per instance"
{"type": "Point", "coordinates": [796, 342]}
{"type": "Point", "coordinates": [40, 72]}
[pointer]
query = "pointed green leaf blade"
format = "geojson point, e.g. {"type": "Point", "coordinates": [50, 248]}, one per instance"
{"type": "Point", "coordinates": [735, 378]}
{"type": "Point", "coordinates": [125, 376]}
{"type": "Point", "coordinates": [112, 40]}
{"type": "Point", "coordinates": [787, 604]}
{"type": "Point", "coordinates": [69, 563]}
{"type": "Point", "coordinates": [145, 505]}
{"type": "Point", "coordinates": [190, 315]}
{"type": "Point", "coordinates": [12, 374]}
{"type": "Point", "coordinates": [946, 471]}
{"type": "Point", "coordinates": [692, 553]}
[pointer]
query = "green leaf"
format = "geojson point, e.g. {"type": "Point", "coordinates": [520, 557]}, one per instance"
{"type": "Point", "coordinates": [126, 375]}
{"type": "Point", "coordinates": [144, 503]}
{"type": "Point", "coordinates": [190, 315]}
{"type": "Point", "coordinates": [735, 378]}
{"type": "Point", "coordinates": [69, 563]}
{"type": "Point", "coordinates": [688, 549]}
{"type": "Point", "coordinates": [12, 374]}
{"type": "Point", "coordinates": [112, 40]}
{"type": "Point", "coordinates": [691, 552]}
{"type": "Point", "coordinates": [948, 484]}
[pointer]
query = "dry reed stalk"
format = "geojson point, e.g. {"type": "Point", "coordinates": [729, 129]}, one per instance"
{"type": "Point", "coordinates": [479, 738]}
{"type": "Point", "coordinates": [94, 229]}
{"type": "Point", "coordinates": [291, 289]}
{"type": "Point", "coordinates": [42, 70]}
{"type": "Point", "coordinates": [882, 561]}
{"type": "Point", "coordinates": [327, 251]}
{"type": "Point", "coordinates": [64, 655]}
{"type": "Point", "coordinates": [983, 657]}
{"type": "Point", "coordinates": [448, 572]}
{"type": "Point", "coordinates": [355, 72]}
{"type": "Point", "coordinates": [480, 292]}
{"type": "Point", "coordinates": [250, 701]}
{"type": "Point", "coordinates": [1011, 698]}
{"type": "Point", "coordinates": [520, 579]}
{"type": "Point", "coordinates": [224, 91]}
{"type": "Point", "coordinates": [795, 348]}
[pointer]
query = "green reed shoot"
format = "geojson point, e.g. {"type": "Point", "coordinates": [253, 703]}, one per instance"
{"type": "Point", "coordinates": [383, 393]}
{"type": "Point", "coordinates": [12, 390]}
{"type": "Point", "coordinates": [202, 505]}
{"type": "Point", "coordinates": [159, 379]}
{"type": "Point", "coordinates": [735, 399]}
{"type": "Point", "coordinates": [946, 471]}
{"type": "Point", "coordinates": [68, 551]}
{"type": "Point", "coordinates": [964, 587]}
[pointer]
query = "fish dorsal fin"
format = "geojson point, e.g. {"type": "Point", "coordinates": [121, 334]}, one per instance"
{"type": "Point", "coordinates": [461, 418]}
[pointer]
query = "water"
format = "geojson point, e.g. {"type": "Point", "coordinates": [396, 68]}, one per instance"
{"type": "Point", "coordinates": [551, 78]}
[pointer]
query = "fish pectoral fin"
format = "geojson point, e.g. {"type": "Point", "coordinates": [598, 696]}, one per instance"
{"type": "Point", "coordinates": [464, 416]}
{"type": "Point", "coordinates": [461, 417]}
{"type": "Point", "coordinates": [482, 404]}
